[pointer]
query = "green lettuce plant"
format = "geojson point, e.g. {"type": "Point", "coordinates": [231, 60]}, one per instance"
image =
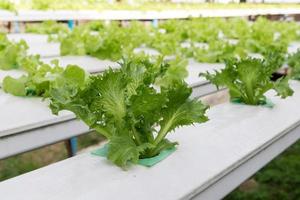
{"type": "Point", "coordinates": [249, 79]}
{"type": "Point", "coordinates": [132, 109]}
{"type": "Point", "coordinates": [11, 53]}
{"type": "Point", "coordinates": [41, 77]}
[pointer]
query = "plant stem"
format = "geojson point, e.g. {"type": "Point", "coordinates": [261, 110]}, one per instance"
{"type": "Point", "coordinates": [250, 95]}
{"type": "Point", "coordinates": [163, 132]}
{"type": "Point", "coordinates": [136, 135]}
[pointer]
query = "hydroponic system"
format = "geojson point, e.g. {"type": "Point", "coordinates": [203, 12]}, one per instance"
{"type": "Point", "coordinates": [169, 100]}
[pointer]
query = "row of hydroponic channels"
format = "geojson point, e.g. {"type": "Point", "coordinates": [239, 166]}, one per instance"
{"type": "Point", "coordinates": [206, 40]}
{"type": "Point", "coordinates": [137, 105]}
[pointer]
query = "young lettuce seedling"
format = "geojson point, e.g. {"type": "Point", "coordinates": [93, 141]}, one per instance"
{"type": "Point", "coordinates": [249, 79]}
{"type": "Point", "coordinates": [128, 107]}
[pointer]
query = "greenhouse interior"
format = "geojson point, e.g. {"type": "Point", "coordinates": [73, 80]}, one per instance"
{"type": "Point", "coordinates": [149, 99]}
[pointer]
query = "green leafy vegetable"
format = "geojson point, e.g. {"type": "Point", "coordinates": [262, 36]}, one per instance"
{"type": "Point", "coordinates": [249, 79]}
{"type": "Point", "coordinates": [73, 44]}
{"type": "Point", "coordinates": [131, 110]}
{"type": "Point", "coordinates": [218, 51]}
{"type": "Point", "coordinates": [293, 61]}
{"type": "Point", "coordinates": [56, 31]}
{"type": "Point", "coordinates": [7, 5]}
{"type": "Point", "coordinates": [11, 53]}
{"type": "Point", "coordinates": [14, 86]}
{"type": "Point", "coordinates": [41, 77]}
{"type": "Point", "coordinates": [114, 41]}
{"type": "Point", "coordinates": [104, 41]}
